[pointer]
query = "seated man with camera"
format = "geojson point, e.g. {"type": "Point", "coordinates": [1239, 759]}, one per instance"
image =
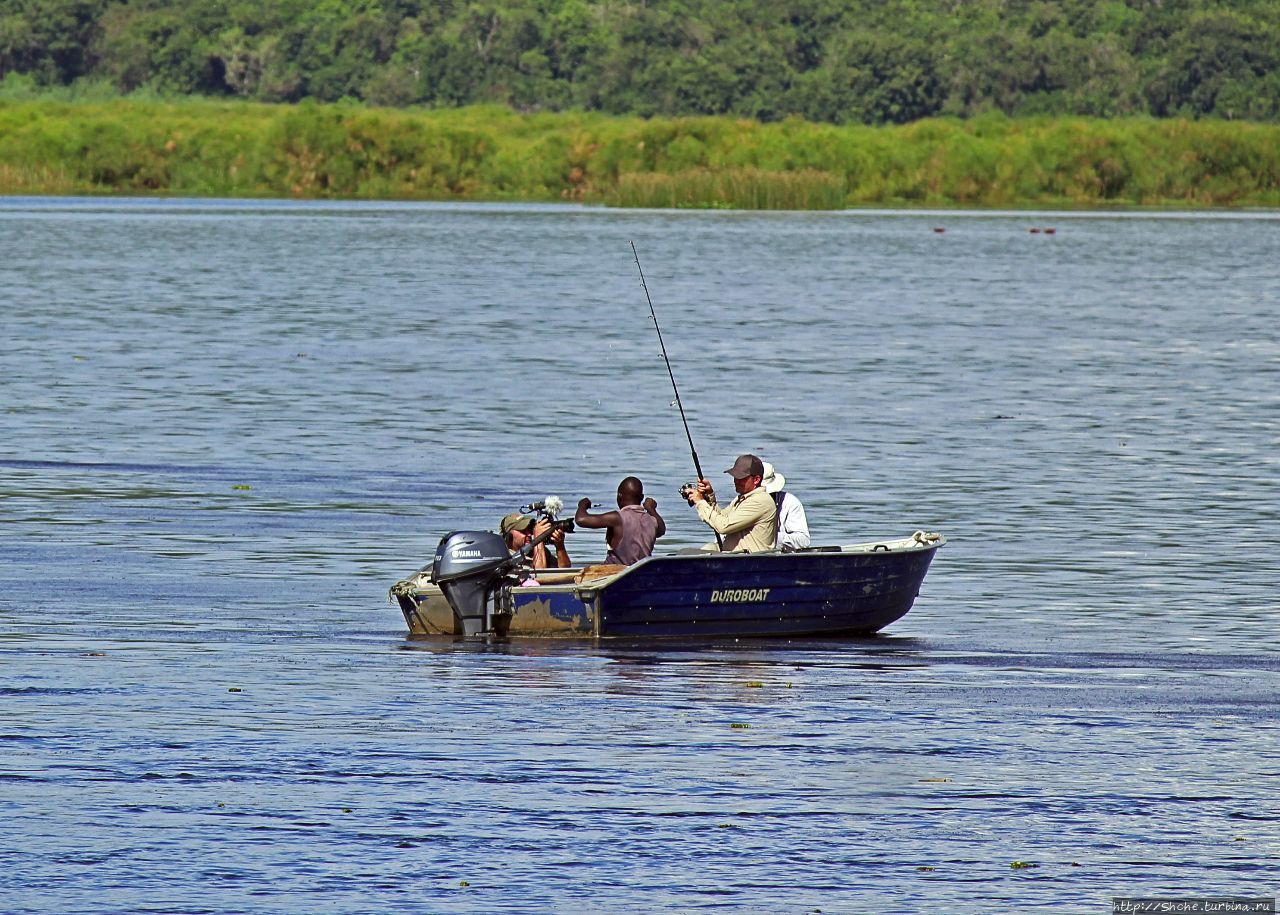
{"type": "Point", "coordinates": [518, 530]}
{"type": "Point", "coordinates": [630, 532]}
{"type": "Point", "coordinates": [750, 523]}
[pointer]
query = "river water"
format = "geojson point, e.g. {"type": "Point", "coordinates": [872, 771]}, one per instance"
{"type": "Point", "coordinates": [229, 427]}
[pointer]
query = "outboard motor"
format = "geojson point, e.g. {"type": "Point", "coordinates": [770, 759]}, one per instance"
{"type": "Point", "coordinates": [473, 569]}
{"type": "Point", "coordinates": [469, 568]}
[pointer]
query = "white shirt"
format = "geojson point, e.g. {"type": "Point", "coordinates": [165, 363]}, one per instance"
{"type": "Point", "coordinates": [793, 526]}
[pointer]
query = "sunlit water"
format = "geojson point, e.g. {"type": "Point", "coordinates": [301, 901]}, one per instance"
{"type": "Point", "coordinates": [228, 428]}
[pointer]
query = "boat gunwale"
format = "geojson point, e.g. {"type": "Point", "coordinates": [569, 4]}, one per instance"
{"type": "Point", "coordinates": [869, 548]}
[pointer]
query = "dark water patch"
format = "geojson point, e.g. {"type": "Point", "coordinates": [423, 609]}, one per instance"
{"type": "Point", "coordinates": [37, 691]}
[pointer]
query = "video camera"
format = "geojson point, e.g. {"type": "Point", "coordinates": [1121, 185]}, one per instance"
{"type": "Point", "coordinates": [549, 510]}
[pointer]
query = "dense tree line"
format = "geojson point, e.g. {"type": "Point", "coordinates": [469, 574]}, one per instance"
{"type": "Point", "coordinates": [841, 61]}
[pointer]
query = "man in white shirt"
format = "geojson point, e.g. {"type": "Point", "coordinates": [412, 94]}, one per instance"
{"type": "Point", "coordinates": [793, 527]}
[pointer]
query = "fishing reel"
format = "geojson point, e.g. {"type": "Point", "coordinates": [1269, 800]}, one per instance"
{"type": "Point", "coordinates": [549, 510]}
{"type": "Point", "coordinates": [687, 490]}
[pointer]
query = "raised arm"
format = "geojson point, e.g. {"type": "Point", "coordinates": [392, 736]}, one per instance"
{"type": "Point", "coordinates": [610, 521]}
{"type": "Point", "coordinates": [652, 508]}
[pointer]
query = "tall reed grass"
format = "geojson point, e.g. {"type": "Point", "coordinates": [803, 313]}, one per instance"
{"type": "Point", "coordinates": [730, 188]}
{"type": "Point", "coordinates": [240, 149]}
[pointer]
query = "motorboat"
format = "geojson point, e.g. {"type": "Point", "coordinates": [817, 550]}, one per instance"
{"type": "Point", "coordinates": [475, 586]}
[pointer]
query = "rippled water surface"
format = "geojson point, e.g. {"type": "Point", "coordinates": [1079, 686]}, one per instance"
{"type": "Point", "coordinates": [228, 428]}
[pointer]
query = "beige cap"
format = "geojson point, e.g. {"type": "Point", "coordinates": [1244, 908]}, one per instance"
{"type": "Point", "coordinates": [515, 522]}
{"type": "Point", "coordinates": [773, 481]}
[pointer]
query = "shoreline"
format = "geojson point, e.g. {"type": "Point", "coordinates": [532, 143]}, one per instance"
{"type": "Point", "coordinates": [198, 148]}
{"type": "Point", "coordinates": [97, 200]}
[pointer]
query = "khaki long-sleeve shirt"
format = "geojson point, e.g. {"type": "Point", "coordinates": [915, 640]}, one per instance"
{"type": "Point", "coordinates": [749, 524]}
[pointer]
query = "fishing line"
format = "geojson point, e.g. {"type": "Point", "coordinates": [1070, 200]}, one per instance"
{"type": "Point", "coordinates": [697, 465]}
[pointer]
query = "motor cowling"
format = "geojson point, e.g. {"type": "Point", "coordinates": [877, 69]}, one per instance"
{"type": "Point", "coordinates": [468, 567]}
{"type": "Point", "coordinates": [467, 553]}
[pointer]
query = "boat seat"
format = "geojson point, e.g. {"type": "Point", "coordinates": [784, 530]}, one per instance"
{"type": "Point", "coordinates": [556, 576]}
{"type": "Point", "coordinates": [591, 573]}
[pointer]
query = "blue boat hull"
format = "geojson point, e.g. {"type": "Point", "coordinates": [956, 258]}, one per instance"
{"type": "Point", "coordinates": [764, 594]}
{"type": "Point", "coordinates": [854, 590]}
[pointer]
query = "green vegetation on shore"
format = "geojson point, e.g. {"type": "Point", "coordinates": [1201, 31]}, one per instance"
{"type": "Point", "coordinates": [828, 61]}
{"type": "Point", "coordinates": [245, 149]}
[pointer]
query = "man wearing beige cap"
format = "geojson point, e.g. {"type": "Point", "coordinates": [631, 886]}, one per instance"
{"type": "Point", "coordinates": [750, 523]}
{"type": "Point", "coordinates": [518, 529]}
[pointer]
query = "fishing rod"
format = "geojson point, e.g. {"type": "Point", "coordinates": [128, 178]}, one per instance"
{"type": "Point", "coordinates": [697, 465]}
